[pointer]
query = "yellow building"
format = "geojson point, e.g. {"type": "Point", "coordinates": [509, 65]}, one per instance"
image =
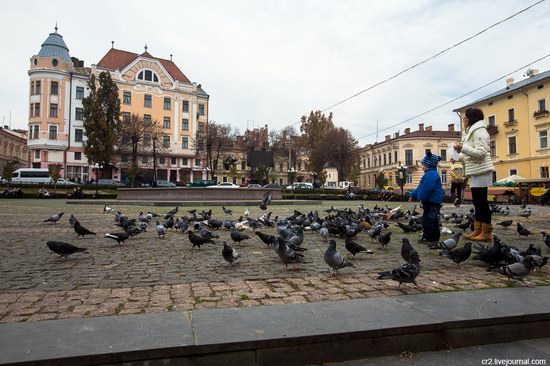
{"type": "Point", "coordinates": [519, 121]}
{"type": "Point", "coordinates": [406, 150]}
{"type": "Point", "coordinates": [13, 148]}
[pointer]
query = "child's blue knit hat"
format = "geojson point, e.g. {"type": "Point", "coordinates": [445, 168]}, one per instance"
{"type": "Point", "coordinates": [431, 160]}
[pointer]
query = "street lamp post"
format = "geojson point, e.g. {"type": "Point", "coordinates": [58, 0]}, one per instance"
{"type": "Point", "coordinates": [402, 175]}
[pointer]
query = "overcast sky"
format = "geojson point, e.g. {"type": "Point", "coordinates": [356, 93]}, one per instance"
{"type": "Point", "coordinates": [270, 62]}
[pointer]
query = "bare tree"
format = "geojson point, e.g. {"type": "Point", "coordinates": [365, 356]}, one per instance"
{"type": "Point", "coordinates": [213, 141]}
{"type": "Point", "coordinates": [132, 131]}
{"type": "Point", "coordinates": [157, 145]}
{"type": "Point", "coordinates": [338, 147]}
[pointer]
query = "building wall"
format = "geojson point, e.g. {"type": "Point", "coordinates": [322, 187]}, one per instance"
{"type": "Point", "coordinates": [13, 147]}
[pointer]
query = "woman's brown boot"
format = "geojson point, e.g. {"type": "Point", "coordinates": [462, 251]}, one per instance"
{"type": "Point", "coordinates": [476, 232]}
{"type": "Point", "coordinates": [486, 233]}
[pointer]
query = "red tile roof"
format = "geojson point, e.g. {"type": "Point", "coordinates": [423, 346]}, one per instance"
{"type": "Point", "coordinates": [119, 59]}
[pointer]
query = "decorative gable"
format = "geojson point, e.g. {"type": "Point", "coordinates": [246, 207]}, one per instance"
{"type": "Point", "coordinates": [131, 73]}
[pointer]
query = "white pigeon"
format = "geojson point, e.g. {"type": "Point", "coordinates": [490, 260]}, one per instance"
{"type": "Point", "coordinates": [246, 212]}
{"type": "Point", "coordinates": [241, 226]}
{"type": "Point", "coordinates": [107, 208]}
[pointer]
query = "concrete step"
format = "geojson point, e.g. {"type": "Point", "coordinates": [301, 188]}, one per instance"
{"type": "Point", "coordinates": [227, 203]}
{"type": "Point", "coordinates": [312, 333]}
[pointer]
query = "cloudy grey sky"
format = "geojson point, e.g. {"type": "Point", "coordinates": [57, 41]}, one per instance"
{"type": "Point", "coordinates": [272, 61]}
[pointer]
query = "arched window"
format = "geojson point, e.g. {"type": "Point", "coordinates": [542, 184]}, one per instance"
{"type": "Point", "coordinates": [148, 75]}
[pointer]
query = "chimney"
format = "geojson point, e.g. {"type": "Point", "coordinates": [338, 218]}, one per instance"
{"type": "Point", "coordinates": [407, 130]}
{"type": "Point", "coordinates": [532, 72]}
{"type": "Point", "coordinates": [509, 82]}
{"type": "Point", "coordinates": [451, 127]}
{"type": "Point", "coordinates": [388, 137]}
{"type": "Point", "coordinates": [421, 127]}
{"type": "Point", "coordinates": [397, 134]}
{"type": "Point", "coordinates": [429, 128]}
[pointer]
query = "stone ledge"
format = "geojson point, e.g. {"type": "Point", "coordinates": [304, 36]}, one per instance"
{"type": "Point", "coordinates": [193, 203]}
{"type": "Point", "coordinates": [285, 334]}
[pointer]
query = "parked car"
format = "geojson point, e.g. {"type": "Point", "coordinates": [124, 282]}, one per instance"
{"type": "Point", "coordinates": [162, 184]}
{"type": "Point", "coordinates": [64, 182]}
{"type": "Point", "coordinates": [272, 186]}
{"type": "Point", "coordinates": [224, 185]}
{"type": "Point", "coordinates": [300, 185]}
{"type": "Point", "coordinates": [110, 182]}
{"type": "Point", "coordinates": [253, 186]}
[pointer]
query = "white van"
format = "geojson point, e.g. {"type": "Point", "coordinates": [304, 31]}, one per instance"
{"type": "Point", "coordinates": [36, 176]}
{"type": "Point", "coordinates": [345, 185]}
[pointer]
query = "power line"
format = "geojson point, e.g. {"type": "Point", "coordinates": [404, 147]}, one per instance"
{"type": "Point", "coordinates": [432, 57]}
{"type": "Point", "coordinates": [455, 99]}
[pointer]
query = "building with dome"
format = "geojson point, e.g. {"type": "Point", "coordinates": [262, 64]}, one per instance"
{"type": "Point", "coordinates": [153, 88]}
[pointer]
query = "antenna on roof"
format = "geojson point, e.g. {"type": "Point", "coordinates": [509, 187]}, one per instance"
{"type": "Point", "coordinates": [112, 44]}
{"type": "Point", "coordinates": [55, 26]}
{"type": "Point", "coordinates": [145, 47]}
{"type": "Point", "coordinates": [170, 57]}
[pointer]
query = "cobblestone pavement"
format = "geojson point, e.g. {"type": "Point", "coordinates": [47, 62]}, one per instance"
{"type": "Point", "coordinates": [149, 274]}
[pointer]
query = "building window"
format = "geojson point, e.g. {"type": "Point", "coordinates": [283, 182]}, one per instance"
{"type": "Point", "coordinates": [185, 106]}
{"type": "Point", "coordinates": [493, 148]}
{"type": "Point", "coordinates": [512, 145]}
{"type": "Point", "coordinates": [511, 115]}
{"type": "Point", "coordinates": [147, 120]}
{"type": "Point", "coordinates": [146, 140]}
{"type": "Point", "coordinates": [54, 88]}
{"type": "Point", "coordinates": [492, 121]}
{"type": "Point", "coordinates": [166, 141]}
{"type": "Point", "coordinates": [443, 154]}
{"type": "Point", "coordinates": [126, 116]}
{"type": "Point", "coordinates": [167, 104]}
{"type": "Point", "coordinates": [368, 161]}
{"type": "Point", "coordinates": [37, 154]}
{"type": "Point", "coordinates": [408, 157]}
{"type": "Point", "coordinates": [394, 156]}
{"type": "Point", "coordinates": [185, 142]}
{"type": "Point", "coordinates": [162, 160]}
{"type": "Point", "coordinates": [35, 131]}
{"type": "Point", "coordinates": [544, 172]}
{"type": "Point", "coordinates": [185, 124]}
{"type": "Point", "coordinates": [542, 104]}
{"type": "Point", "coordinates": [53, 133]}
{"type": "Point", "coordinates": [77, 156]}
{"type": "Point", "coordinates": [243, 165]}
{"type": "Point", "coordinates": [127, 97]}
{"type": "Point", "coordinates": [38, 87]}
{"type": "Point", "coordinates": [53, 110]}
{"type": "Point", "coordinates": [384, 159]}
{"type": "Point", "coordinates": [173, 161]}
{"type": "Point", "coordinates": [513, 172]}
{"type": "Point", "coordinates": [197, 162]}
{"type": "Point", "coordinates": [148, 75]}
{"type": "Point", "coordinates": [145, 159]}
{"type": "Point", "coordinates": [201, 126]}
{"type": "Point", "coordinates": [78, 134]}
{"type": "Point", "coordinates": [166, 123]}
{"type": "Point", "coordinates": [32, 87]}
{"type": "Point", "coordinates": [409, 178]}
{"type": "Point", "coordinates": [443, 177]}
{"type": "Point", "coordinates": [79, 114]}
{"type": "Point", "coordinates": [184, 161]}
{"type": "Point", "coordinates": [37, 109]}
{"type": "Point", "coordinates": [201, 109]}
{"type": "Point", "coordinates": [79, 92]}
{"type": "Point", "coordinates": [543, 138]}
{"type": "Point", "coordinates": [147, 101]}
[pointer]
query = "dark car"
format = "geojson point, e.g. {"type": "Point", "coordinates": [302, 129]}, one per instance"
{"type": "Point", "coordinates": [162, 184]}
{"type": "Point", "coordinates": [110, 182]}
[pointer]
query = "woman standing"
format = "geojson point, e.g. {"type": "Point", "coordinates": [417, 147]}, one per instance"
{"type": "Point", "coordinates": [475, 154]}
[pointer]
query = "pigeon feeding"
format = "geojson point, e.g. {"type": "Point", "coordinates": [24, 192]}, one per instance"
{"type": "Point", "coordinates": [405, 273]}
{"type": "Point", "coordinates": [54, 218]}
{"type": "Point", "coordinates": [266, 199]}
{"type": "Point", "coordinates": [384, 239]}
{"type": "Point", "coordinates": [81, 230]}
{"type": "Point", "coordinates": [198, 240]}
{"type": "Point", "coordinates": [237, 236]}
{"type": "Point", "coordinates": [546, 239]}
{"type": "Point", "coordinates": [354, 248]}
{"type": "Point", "coordinates": [229, 254]}
{"type": "Point", "coordinates": [227, 211]}
{"type": "Point", "coordinates": [334, 259]}
{"type": "Point", "coordinates": [406, 249]}
{"type": "Point", "coordinates": [286, 254]}
{"type": "Point", "coordinates": [447, 244]}
{"type": "Point", "coordinates": [458, 255]}
{"type": "Point", "coordinates": [161, 229]}
{"type": "Point", "coordinates": [267, 239]}
{"type": "Point", "coordinates": [517, 271]}
{"type": "Point", "coordinates": [64, 249]}
{"type": "Point", "coordinates": [522, 231]}
{"type": "Point", "coordinates": [72, 220]}
{"type": "Point", "coordinates": [406, 228]}
{"type": "Point", "coordinates": [505, 223]}
{"type": "Point", "coordinates": [107, 208]}
{"type": "Point", "coordinates": [119, 237]}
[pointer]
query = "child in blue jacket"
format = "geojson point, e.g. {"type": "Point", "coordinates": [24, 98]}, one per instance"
{"type": "Point", "coordinates": [430, 193]}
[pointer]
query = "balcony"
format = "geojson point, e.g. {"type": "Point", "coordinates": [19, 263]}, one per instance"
{"type": "Point", "coordinates": [511, 123]}
{"type": "Point", "coordinates": [540, 114]}
{"type": "Point", "coordinates": [493, 130]}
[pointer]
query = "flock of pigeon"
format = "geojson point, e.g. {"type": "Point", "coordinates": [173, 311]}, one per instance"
{"type": "Point", "coordinates": [286, 236]}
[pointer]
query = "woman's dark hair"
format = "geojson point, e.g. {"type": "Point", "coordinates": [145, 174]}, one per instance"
{"type": "Point", "coordinates": [474, 115]}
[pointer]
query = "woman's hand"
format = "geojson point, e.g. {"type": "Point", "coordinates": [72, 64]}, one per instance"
{"type": "Point", "coordinates": [458, 147]}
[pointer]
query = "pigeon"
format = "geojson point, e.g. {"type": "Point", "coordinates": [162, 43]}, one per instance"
{"type": "Point", "coordinates": [286, 254]}
{"type": "Point", "coordinates": [526, 213]}
{"type": "Point", "coordinates": [266, 199]}
{"type": "Point", "coordinates": [406, 249]}
{"type": "Point", "coordinates": [267, 239]}
{"type": "Point", "coordinates": [517, 271]}
{"type": "Point", "coordinates": [107, 208]}
{"type": "Point", "coordinates": [227, 211]}
{"type": "Point", "coordinates": [64, 249]}
{"type": "Point", "coordinates": [546, 239]}
{"type": "Point", "coordinates": [505, 223]}
{"type": "Point", "coordinates": [334, 259]}
{"type": "Point", "coordinates": [466, 224]}
{"type": "Point", "coordinates": [405, 273]}
{"type": "Point", "coordinates": [246, 212]}
{"type": "Point", "coordinates": [458, 255]}
{"type": "Point", "coordinates": [119, 237]}
{"type": "Point", "coordinates": [81, 230]}
{"type": "Point", "coordinates": [237, 236]}
{"type": "Point", "coordinates": [446, 231]}
{"type": "Point", "coordinates": [143, 226]}
{"type": "Point", "coordinates": [355, 248]}
{"type": "Point", "coordinates": [447, 244]}
{"type": "Point", "coordinates": [406, 228]}
{"type": "Point", "coordinates": [539, 262]}
{"type": "Point", "coordinates": [490, 255]}
{"type": "Point", "coordinates": [324, 233]}
{"type": "Point", "coordinates": [198, 240]}
{"type": "Point", "coordinates": [72, 220]}
{"type": "Point", "coordinates": [229, 254]}
{"type": "Point", "coordinates": [54, 218]}
{"type": "Point", "coordinates": [522, 231]}
{"type": "Point", "coordinates": [161, 229]}
{"type": "Point", "coordinates": [173, 211]}
{"type": "Point", "coordinates": [384, 239]}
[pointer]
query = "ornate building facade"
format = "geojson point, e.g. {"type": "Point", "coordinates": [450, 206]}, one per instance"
{"type": "Point", "coordinates": [13, 147]}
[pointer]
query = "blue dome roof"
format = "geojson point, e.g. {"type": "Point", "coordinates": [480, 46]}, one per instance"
{"type": "Point", "coordinates": [54, 46]}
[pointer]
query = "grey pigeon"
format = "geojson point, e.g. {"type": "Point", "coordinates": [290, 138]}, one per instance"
{"type": "Point", "coordinates": [287, 255]}
{"type": "Point", "coordinates": [298, 238]}
{"type": "Point", "coordinates": [505, 223]}
{"type": "Point", "coordinates": [81, 230]}
{"type": "Point", "coordinates": [229, 254]}
{"type": "Point", "coordinates": [266, 199]}
{"type": "Point", "coordinates": [267, 239]}
{"type": "Point", "coordinates": [406, 249]}
{"type": "Point", "coordinates": [405, 273]}
{"type": "Point", "coordinates": [526, 213]}
{"type": "Point", "coordinates": [324, 233]}
{"type": "Point", "coordinates": [237, 236]}
{"type": "Point", "coordinates": [227, 211]}
{"type": "Point", "coordinates": [354, 248]}
{"type": "Point", "coordinates": [119, 237]}
{"type": "Point", "coordinates": [458, 255]}
{"type": "Point", "coordinates": [546, 239]}
{"type": "Point", "coordinates": [72, 220]}
{"type": "Point", "coordinates": [161, 230]}
{"type": "Point", "coordinates": [198, 240]}
{"type": "Point", "coordinates": [334, 259]}
{"type": "Point", "coordinates": [63, 249]}
{"type": "Point", "coordinates": [522, 231]}
{"type": "Point", "coordinates": [517, 271]}
{"type": "Point", "coordinates": [447, 244]}
{"type": "Point", "coordinates": [54, 218]}
{"type": "Point", "coordinates": [143, 226]}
